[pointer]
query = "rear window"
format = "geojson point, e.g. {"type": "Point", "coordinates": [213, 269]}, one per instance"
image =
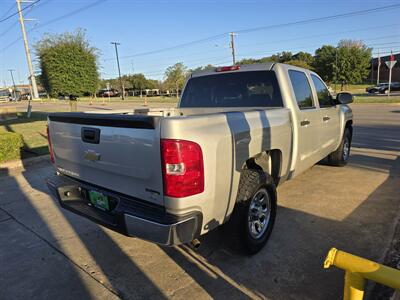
{"type": "Point", "coordinates": [240, 89]}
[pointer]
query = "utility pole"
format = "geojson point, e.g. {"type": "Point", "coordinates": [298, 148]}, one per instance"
{"type": "Point", "coordinates": [232, 45]}
{"type": "Point", "coordinates": [119, 69]}
{"type": "Point", "coordinates": [32, 79]}
{"type": "Point", "coordinates": [336, 68]}
{"type": "Point", "coordinates": [13, 81]}
{"type": "Point", "coordinates": [372, 71]}
{"type": "Point", "coordinates": [379, 66]}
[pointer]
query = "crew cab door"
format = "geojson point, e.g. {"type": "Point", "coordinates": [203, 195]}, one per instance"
{"type": "Point", "coordinates": [329, 114]}
{"type": "Point", "coordinates": [308, 119]}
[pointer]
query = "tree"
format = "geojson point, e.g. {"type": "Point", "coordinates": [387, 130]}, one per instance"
{"type": "Point", "coordinates": [68, 64]}
{"type": "Point", "coordinates": [347, 63]}
{"type": "Point", "coordinates": [137, 81]}
{"type": "Point", "coordinates": [304, 57]}
{"type": "Point", "coordinates": [282, 57]}
{"type": "Point", "coordinates": [247, 61]}
{"type": "Point", "coordinates": [175, 77]}
{"type": "Point", "coordinates": [298, 63]}
{"type": "Point", "coordinates": [324, 62]}
{"type": "Point", "coordinates": [202, 68]}
{"type": "Point", "coordinates": [353, 61]}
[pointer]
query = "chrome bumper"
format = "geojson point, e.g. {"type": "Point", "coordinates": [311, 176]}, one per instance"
{"type": "Point", "coordinates": [130, 216]}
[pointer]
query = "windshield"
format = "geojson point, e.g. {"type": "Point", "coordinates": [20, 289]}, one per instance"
{"type": "Point", "coordinates": [240, 89]}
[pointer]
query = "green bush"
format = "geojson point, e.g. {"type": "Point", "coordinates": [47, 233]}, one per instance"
{"type": "Point", "coordinates": [10, 146]}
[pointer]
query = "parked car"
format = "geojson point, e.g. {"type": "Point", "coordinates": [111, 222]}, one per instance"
{"type": "Point", "coordinates": [25, 96]}
{"type": "Point", "coordinates": [108, 93]}
{"type": "Point", "coordinates": [170, 175]}
{"type": "Point", "coordinates": [375, 89]}
{"type": "Point", "coordinates": [43, 95]}
{"type": "Point", "coordinates": [394, 87]}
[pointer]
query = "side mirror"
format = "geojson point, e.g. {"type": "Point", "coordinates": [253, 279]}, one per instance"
{"type": "Point", "coordinates": [344, 98]}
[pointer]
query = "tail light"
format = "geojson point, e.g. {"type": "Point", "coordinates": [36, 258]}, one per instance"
{"type": "Point", "coordinates": [50, 146]}
{"type": "Point", "coordinates": [182, 163]}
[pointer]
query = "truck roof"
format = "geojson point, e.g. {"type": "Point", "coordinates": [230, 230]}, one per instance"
{"type": "Point", "coordinates": [249, 67]}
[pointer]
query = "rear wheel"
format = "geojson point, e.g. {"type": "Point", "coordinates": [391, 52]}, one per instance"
{"type": "Point", "coordinates": [254, 215]}
{"type": "Point", "coordinates": [340, 157]}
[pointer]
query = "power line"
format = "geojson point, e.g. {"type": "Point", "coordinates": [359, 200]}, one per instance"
{"type": "Point", "coordinates": [27, 13]}
{"type": "Point", "coordinates": [74, 12]}
{"type": "Point", "coordinates": [6, 13]}
{"type": "Point", "coordinates": [71, 13]}
{"type": "Point", "coordinates": [158, 72]}
{"type": "Point", "coordinates": [304, 47]}
{"type": "Point", "coordinates": [211, 38]}
{"type": "Point", "coordinates": [322, 35]}
{"type": "Point", "coordinates": [274, 41]}
{"type": "Point", "coordinates": [8, 29]}
{"type": "Point", "coordinates": [321, 19]}
{"type": "Point", "coordinates": [17, 12]}
{"type": "Point", "coordinates": [43, 2]}
{"type": "Point", "coordinates": [301, 22]}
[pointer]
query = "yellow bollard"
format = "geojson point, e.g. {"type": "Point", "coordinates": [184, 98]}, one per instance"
{"type": "Point", "coordinates": [359, 269]}
{"type": "Point", "coordinates": [353, 286]}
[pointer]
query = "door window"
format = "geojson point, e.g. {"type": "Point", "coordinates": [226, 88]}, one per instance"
{"type": "Point", "coordinates": [301, 88]}
{"type": "Point", "coordinates": [324, 97]}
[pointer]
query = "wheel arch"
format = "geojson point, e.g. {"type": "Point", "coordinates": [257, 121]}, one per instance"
{"type": "Point", "coordinates": [269, 161]}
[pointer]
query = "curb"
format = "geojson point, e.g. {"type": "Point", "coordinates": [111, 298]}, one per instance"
{"type": "Point", "coordinates": [23, 163]}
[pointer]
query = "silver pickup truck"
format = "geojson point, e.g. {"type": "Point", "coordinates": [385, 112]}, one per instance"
{"type": "Point", "coordinates": [171, 175]}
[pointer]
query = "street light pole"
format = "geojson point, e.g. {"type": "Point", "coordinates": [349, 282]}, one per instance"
{"type": "Point", "coordinates": [119, 69]}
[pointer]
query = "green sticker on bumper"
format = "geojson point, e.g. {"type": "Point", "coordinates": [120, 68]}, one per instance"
{"type": "Point", "coordinates": [99, 200]}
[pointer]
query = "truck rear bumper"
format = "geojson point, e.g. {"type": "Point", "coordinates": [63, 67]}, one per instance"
{"type": "Point", "coordinates": [127, 215]}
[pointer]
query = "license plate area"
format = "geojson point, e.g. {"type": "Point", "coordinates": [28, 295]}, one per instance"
{"type": "Point", "coordinates": [101, 201]}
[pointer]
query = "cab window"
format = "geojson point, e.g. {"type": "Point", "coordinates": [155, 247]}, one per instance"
{"type": "Point", "coordinates": [233, 89]}
{"type": "Point", "coordinates": [302, 89]}
{"type": "Point", "coordinates": [324, 97]}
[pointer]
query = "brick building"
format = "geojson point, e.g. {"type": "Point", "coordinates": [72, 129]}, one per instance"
{"type": "Point", "coordinates": [384, 70]}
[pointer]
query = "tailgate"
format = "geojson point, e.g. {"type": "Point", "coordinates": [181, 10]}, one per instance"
{"type": "Point", "coordinates": [113, 151]}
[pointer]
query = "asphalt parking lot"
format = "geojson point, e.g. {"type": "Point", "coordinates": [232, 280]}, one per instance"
{"type": "Point", "coordinates": [46, 252]}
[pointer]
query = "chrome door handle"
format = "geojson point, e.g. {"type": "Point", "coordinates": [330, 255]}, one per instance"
{"type": "Point", "coordinates": [326, 118]}
{"type": "Point", "coordinates": [305, 122]}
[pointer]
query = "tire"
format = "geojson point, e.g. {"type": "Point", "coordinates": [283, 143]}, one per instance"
{"type": "Point", "coordinates": [256, 200]}
{"type": "Point", "coordinates": [340, 157]}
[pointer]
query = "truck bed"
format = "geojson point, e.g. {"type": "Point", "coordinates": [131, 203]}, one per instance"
{"type": "Point", "coordinates": [126, 156]}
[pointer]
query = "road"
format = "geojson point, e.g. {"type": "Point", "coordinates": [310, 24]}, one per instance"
{"type": "Point", "coordinates": [46, 252]}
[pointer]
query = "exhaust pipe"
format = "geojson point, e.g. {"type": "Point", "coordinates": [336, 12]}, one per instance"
{"type": "Point", "coordinates": [195, 244]}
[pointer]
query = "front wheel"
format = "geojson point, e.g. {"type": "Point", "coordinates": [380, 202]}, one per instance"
{"type": "Point", "coordinates": [255, 211]}
{"type": "Point", "coordinates": [340, 157]}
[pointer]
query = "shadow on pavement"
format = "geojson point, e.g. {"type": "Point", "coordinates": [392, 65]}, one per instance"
{"type": "Point", "coordinates": [118, 268]}
{"type": "Point", "coordinates": [298, 246]}
{"type": "Point", "coordinates": [289, 267]}
{"type": "Point", "coordinates": [31, 256]}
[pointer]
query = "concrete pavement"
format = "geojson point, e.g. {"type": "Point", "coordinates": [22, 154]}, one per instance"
{"type": "Point", "coordinates": [46, 252]}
